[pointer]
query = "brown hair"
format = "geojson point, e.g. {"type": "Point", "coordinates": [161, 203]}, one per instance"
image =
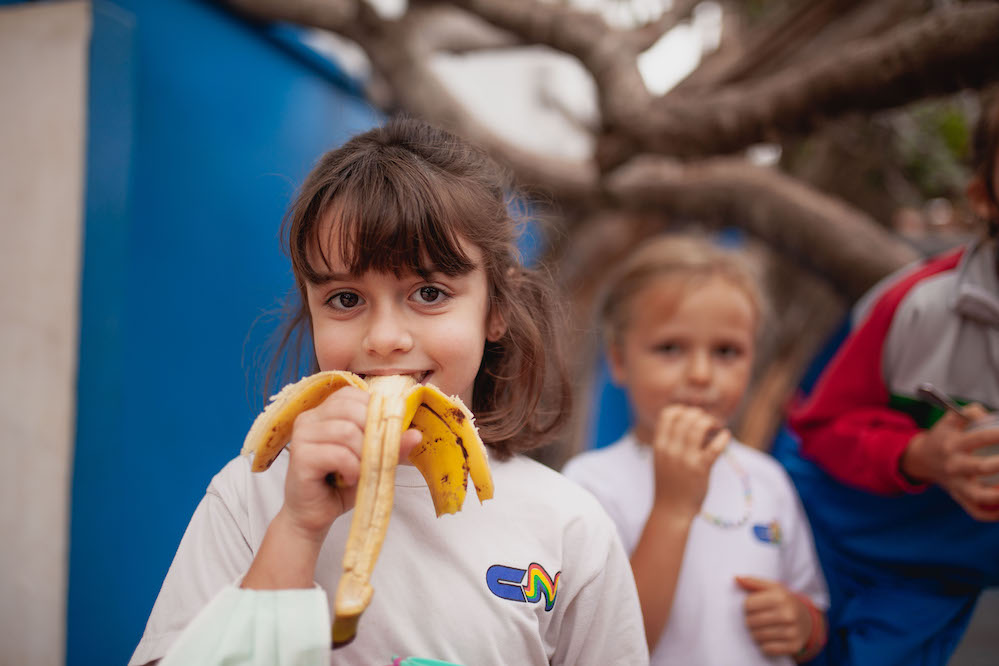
{"type": "Point", "coordinates": [985, 142]}
{"type": "Point", "coordinates": [406, 194]}
{"type": "Point", "coordinates": [688, 260]}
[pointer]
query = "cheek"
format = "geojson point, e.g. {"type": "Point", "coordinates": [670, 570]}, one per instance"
{"type": "Point", "coordinates": [460, 342]}
{"type": "Point", "coordinates": [736, 381]}
{"type": "Point", "coordinates": [654, 376]}
{"type": "Point", "coordinates": [457, 334]}
{"type": "Point", "coordinates": [332, 345]}
{"type": "Point", "coordinates": [656, 385]}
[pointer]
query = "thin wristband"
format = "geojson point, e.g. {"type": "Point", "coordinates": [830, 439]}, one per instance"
{"type": "Point", "coordinates": [817, 634]}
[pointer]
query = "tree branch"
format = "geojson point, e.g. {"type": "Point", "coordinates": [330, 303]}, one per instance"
{"type": "Point", "coordinates": [944, 52]}
{"type": "Point", "coordinates": [783, 33]}
{"type": "Point", "coordinates": [643, 37]}
{"type": "Point", "coordinates": [400, 56]}
{"type": "Point", "coordinates": [451, 30]}
{"type": "Point", "coordinates": [609, 55]}
{"type": "Point", "coordinates": [339, 16]}
{"type": "Point", "coordinates": [817, 232]}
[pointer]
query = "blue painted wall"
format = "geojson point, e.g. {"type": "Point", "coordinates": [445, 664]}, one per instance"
{"type": "Point", "coordinates": [610, 416]}
{"type": "Point", "coordinates": [200, 128]}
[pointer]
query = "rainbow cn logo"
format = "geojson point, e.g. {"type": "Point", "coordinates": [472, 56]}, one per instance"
{"type": "Point", "coordinates": [525, 585]}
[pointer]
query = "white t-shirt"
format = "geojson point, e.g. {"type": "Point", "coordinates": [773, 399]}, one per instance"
{"type": "Point", "coordinates": [706, 624]}
{"type": "Point", "coordinates": [535, 575]}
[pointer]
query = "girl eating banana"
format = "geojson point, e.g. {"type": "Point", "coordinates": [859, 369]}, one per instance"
{"type": "Point", "coordinates": [420, 316]}
{"type": "Point", "coordinates": [716, 533]}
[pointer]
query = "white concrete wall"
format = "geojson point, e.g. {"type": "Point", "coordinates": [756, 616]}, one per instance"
{"type": "Point", "coordinates": [43, 74]}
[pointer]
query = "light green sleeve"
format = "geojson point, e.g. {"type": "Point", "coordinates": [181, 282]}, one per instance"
{"type": "Point", "coordinates": [257, 628]}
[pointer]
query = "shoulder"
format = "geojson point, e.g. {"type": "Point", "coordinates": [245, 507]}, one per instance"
{"type": "Point", "coordinates": [928, 297]}
{"type": "Point", "coordinates": [232, 479]}
{"type": "Point", "coordinates": [236, 474]}
{"type": "Point", "coordinates": [531, 486]}
{"type": "Point", "coordinates": [906, 283]}
{"type": "Point", "coordinates": [619, 475]}
{"type": "Point", "coordinates": [532, 476]}
{"type": "Point", "coordinates": [606, 465]}
{"type": "Point", "coordinates": [761, 465]}
{"type": "Point", "coordinates": [239, 488]}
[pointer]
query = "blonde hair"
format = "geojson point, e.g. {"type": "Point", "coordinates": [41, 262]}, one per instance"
{"type": "Point", "coordinates": [688, 261]}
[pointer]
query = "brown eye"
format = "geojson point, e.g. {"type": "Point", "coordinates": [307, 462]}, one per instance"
{"type": "Point", "coordinates": [344, 300]}
{"type": "Point", "coordinates": [669, 348]}
{"type": "Point", "coordinates": [728, 352]}
{"type": "Point", "coordinates": [429, 294]}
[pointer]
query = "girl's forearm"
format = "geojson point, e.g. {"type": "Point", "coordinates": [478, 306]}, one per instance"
{"type": "Point", "coordinates": [286, 558]}
{"type": "Point", "coordinates": [655, 563]}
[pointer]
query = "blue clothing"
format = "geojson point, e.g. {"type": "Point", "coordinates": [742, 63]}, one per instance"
{"type": "Point", "coordinates": [904, 572]}
{"type": "Point", "coordinates": [904, 562]}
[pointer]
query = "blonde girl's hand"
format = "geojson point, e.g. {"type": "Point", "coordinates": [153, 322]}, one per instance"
{"type": "Point", "coordinates": [945, 455]}
{"type": "Point", "coordinates": [779, 622]}
{"type": "Point", "coordinates": [325, 462]}
{"type": "Point", "coordinates": [688, 440]}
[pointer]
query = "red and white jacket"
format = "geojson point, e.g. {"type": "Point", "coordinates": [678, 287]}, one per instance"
{"type": "Point", "coordinates": [933, 322]}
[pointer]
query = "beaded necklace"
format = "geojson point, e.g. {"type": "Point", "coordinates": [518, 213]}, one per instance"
{"type": "Point", "coordinates": [747, 496]}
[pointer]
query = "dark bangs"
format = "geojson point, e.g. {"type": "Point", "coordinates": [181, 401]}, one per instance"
{"type": "Point", "coordinates": [388, 211]}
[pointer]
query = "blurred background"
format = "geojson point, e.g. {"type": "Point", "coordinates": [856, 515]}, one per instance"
{"type": "Point", "coordinates": [148, 151]}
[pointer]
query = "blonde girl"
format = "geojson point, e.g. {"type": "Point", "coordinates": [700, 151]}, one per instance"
{"type": "Point", "coordinates": [721, 550]}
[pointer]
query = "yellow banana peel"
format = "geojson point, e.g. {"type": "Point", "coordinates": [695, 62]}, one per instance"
{"type": "Point", "coordinates": [451, 451]}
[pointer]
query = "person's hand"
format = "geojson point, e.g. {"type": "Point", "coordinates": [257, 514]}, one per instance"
{"type": "Point", "coordinates": [325, 461]}
{"type": "Point", "coordinates": [688, 440]}
{"type": "Point", "coordinates": [777, 619]}
{"type": "Point", "coordinates": [326, 442]}
{"type": "Point", "coordinates": [945, 455]}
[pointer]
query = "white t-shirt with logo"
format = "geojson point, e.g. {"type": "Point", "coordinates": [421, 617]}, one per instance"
{"type": "Point", "coordinates": [706, 624]}
{"type": "Point", "coordinates": [536, 575]}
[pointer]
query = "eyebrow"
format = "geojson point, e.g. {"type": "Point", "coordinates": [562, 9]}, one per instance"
{"type": "Point", "coordinates": [326, 278]}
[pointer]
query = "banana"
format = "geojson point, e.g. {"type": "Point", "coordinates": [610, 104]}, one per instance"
{"type": "Point", "coordinates": [451, 451]}
{"type": "Point", "coordinates": [271, 430]}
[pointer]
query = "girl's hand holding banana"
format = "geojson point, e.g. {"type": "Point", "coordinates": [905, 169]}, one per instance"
{"type": "Point", "coordinates": [325, 446]}
{"type": "Point", "coordinates": [688, 440]}
{"type": "Point", "coordinates": [355, 431]}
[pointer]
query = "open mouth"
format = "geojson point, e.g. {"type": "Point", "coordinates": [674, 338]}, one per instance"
{"type": "Point", "coordinates": [419, 377]}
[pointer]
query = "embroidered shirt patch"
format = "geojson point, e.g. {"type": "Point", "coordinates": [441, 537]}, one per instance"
{"type": "Point", "coordinates": [768, 532]}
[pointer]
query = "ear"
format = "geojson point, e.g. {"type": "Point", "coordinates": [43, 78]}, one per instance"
{"type": "Point", "coordinates": [615, 361]}
{"type": "Point", "coordinates": [495, 325]}
{"type": "Point", "coordinates": [981, 203]}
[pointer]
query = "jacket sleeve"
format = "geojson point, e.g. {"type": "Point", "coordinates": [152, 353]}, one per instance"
{"type": "Point", "coordinates": [846, 425]}
{"type": "Point", "coordinates": [257, 628]}
{"type": "Point", "coordinates": [213, 553]}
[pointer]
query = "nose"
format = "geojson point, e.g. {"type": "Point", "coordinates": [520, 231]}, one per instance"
{"type": "Point", "coordinates": [387, 332]}
{"type": "Point", "coordinates": [699, 367]}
